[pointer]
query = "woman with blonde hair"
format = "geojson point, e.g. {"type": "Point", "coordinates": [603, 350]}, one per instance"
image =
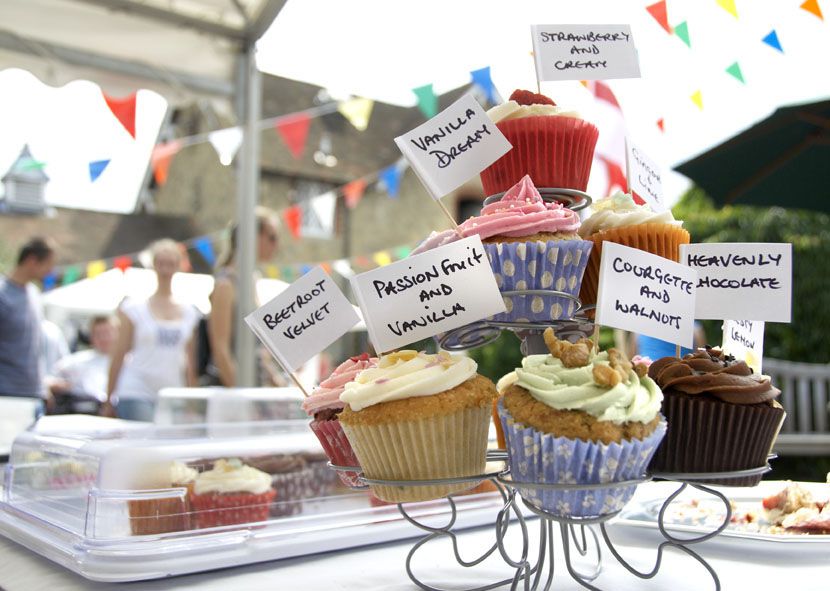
{"type": "Point", "coordinates": [151, 351]}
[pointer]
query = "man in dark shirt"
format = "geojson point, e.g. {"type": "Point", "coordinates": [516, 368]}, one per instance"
{"type": "Point", "coordinates": [21, 373]}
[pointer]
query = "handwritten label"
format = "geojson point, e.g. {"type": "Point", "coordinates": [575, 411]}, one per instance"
{"type": "Point", "coordinates": [454, 146]}
{"type": "Point", "coordinates": [304, 319]}
{"type": "Point", "coordinates": [584, 52]}
{"type": "Point", "coordinates": [646, 294]}
{"type": "Point", "coordinates": [741, 281]}
{"type": "Point", "coordinates": [428, 294]}
{"type": "Point", "coordinates": [644, 177]}
{"type": "Point", "coordinates": [745, 340]}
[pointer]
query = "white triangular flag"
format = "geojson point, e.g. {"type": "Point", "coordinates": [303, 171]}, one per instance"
{"type": "Point", "coordinates": [226, 142]}
{"type": "Point", "coordinates": [357, 111]}
{"type": "Point", "coordinates": [323, 207]}
{"type": "Point", "coordinates": [343, 267]}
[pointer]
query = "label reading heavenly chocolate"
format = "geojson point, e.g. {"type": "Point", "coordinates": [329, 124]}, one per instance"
{"type": "Point", "coordinates": [584, 52]}
{"type": "Point", "coordinates": [647, 294]}
{"type": "Point", "coordinates": [453, 147]}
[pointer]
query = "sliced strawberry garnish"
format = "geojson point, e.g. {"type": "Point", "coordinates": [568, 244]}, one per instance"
{"type": "Point", "coordinates": [525, 97]}
{"type": "Point", "coordinates": [361, 357]}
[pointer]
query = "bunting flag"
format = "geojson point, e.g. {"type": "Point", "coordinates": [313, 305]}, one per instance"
{"type": "Point", "coordinates": [272, 271]}
{"type": "Point", "coordinates": [735, 71]}
{"type": "Point", "coordinates": [604, 93]}
{"type": "Point", "coordinates": [616, 176]}
{"type": "Point", "coordinates": [70, 275]}
{"type": "Point", "coordinates": [427, 100]}
{"type": "Point", "coordinates": [31, 164]}
{"type": "Point", "coordinates": [772, 40]}
{"type": "Point", "coordinates": [391, 178]}
{"type": "Point", "coordinates": [293, 217]}
{"type": "Point", "coordinates": [161, 157]}
{"type": "Point", "coordinates": [728, 6]}
{"type": "Point", "coordinates": [287, 274]}
{"type": "Point", "coordinates": [343, 267]}
{"type": "Point", "coordinates": [812, 7]}
{"type": "Point", "coordinates": [96, 168]}
{"type": "Point", "coordinates": [49, 281]}
{"type": "Point", "coordinates": [324, 207]}
{"type": "Point", "coordinates": [326, 268]}
{"type": "Point", "coordinates": [226, 142]}
{"type": "Point", "coordinates": [204, 246]}
{"type": "Point", "coordinates": [305, 269]}
{"type": "Point", "coordinates": [481, 78]}
{"type": "Point", "coordinates": [124, 110]}
{"type": "Point", "coordinates": [95, 268]}
{"type": "Point", "coordinates": [294, 132]}
{"type": "Point", "coordinates": [661, 123]}
{"type": "Point", "coordinates": [697, 98]}
{"type": "Point", "coordinates": [682, 32]}
{"type": "Point", "coordinates": [122, 263]}
{"type": "Point", "coordinates": [660, 13]}
{"type": "Point", "coordinates": [184, 264]}
{"type": "Point", "coordinates": [402, 252]}
{"type": "Point", "coordinates": [382, 258]}
{"type": "Point", "coordinates": [353, 192]}
{"type": "Point", "coordinates": [357, 111]}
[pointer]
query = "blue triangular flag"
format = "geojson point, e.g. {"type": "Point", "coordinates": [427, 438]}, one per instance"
{"type": "Point", "coordinates": [391, 177]}
{"type": "Point", "coordinates": [204, 247]}
{"type": "Point", "coordinates": [772, 41]}
{"type": "Point", "coordinates": [305, 269]}
{"type": "Point", "coordinates": [96, 168]}
{"type": "Point", "coordinates": [482, 79]}
{"type": "Point", "coordinates": [49, 281]}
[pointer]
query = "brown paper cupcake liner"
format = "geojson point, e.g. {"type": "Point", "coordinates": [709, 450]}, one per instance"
{"type": "Point", "coordinates": [447, 446]}
{"type": "Point", "coordinates": [707, 435]}
{"type": "Point", "coordinates": [661, 239]}
{"type": "Point", "coordinates": [160, 516]}
{"type": "Point", "coordinates": [554, 151]}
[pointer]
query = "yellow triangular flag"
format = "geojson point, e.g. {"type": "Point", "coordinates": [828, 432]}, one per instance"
{"type": "Point", "coordinates": [697, 98]}
{"type": "Point", "coordinates": [272, 271]}
{"type": "Point", "coordinates": [728, 6]}
{"type": "Point", "coordinates": [382, 258]}
{"type": "Point", "coordinates": [357, 111]}
{"type": "Point", "coordinates": [95, 268]}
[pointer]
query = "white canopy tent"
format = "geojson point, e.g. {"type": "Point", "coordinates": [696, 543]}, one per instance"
{"type": "Point", "coordinates": [179, 48]}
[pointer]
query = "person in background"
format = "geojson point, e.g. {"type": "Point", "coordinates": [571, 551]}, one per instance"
{"type": "Point", "coordinates": [218, 361]}
{"type": "Point", "coordinates": [79, 381]}
{"type": "Point", "coordinates": [21, 367]}
{"type": "Point", "coordinates": [151, 350]}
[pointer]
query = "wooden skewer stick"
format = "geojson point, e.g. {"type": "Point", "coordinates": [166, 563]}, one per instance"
{"type": "Point", "coordinates": [447, 213]}
{"type": "Point", "coordinates": [595, 338]}
{"type": "Point", "coordinates": [298, 384]}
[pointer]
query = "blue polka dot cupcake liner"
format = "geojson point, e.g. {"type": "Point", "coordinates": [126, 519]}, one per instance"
{"type": "Point", "coordinates": [555, 265]}
{"type": "Point", "coordinates": [543, 458]}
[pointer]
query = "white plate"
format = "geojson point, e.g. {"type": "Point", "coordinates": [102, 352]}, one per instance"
{"type": "Point", "coordinates": [684, 520]}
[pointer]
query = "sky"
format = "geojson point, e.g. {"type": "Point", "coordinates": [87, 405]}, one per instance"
{"type": "Point", "coordinates": [382, 50]}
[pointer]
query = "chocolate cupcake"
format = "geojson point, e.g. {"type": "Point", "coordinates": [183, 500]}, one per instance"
{"type": "Point", "coordinates": [721, 417]}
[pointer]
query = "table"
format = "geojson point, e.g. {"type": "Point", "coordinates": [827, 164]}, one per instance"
{"type": "Point", "coordinates": [381, 567]}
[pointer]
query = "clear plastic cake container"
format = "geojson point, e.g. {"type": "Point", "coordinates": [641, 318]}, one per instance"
{"type": "Point", "coordinates": [90, 500]}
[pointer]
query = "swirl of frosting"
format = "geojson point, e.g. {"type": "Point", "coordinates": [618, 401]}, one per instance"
{"type": "Point", "coordinates": [513, 110]}
{"type": "Point", "coordinates": [327, 394]}
{"type": "Point", "coordinates": [709, 371]}
{"type": "Point", "coordinates": [230, 476]}
{"type": "Point", "coordinates": [405, 374]}
{"type": "Point", "coordinates": [520, 212]}
{"type": "Point", "coordinates": [620, 210]}
{"type": "Point", "coordinates": [574, 388]}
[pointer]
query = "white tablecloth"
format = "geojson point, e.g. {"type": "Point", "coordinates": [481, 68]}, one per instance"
{"type": "Point", "coordinates": [780, 567]}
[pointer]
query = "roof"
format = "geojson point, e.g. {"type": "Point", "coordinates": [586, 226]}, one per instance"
{"type": "Point", "coordinates": [26, 168]}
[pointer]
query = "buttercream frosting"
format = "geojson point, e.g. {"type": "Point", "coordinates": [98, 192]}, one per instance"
{"type": "Point", "coordinates": [620, 210]}
{"type": "Point", "coordinates": [327, 394]}
{"type": "Point", "coordinates": [520, 212]}
{"type": "Point", "coordinates": [232, 476]}
{"type": "Point", "coordinates": [406, 374]}
{"type": "Point", "coordinates": [574, 388]}
{"type": "Point", "coordinates": [513, 110]}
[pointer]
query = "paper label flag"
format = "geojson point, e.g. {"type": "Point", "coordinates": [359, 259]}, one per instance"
{"type": "Point", "coordinates": [124, 110]}
{"type": "Point", "coordinates": [584, 52]}
{"type": "Point", "coordinates": [226, 142]}
{"type": "Point", "coordinates": [745, 340]}
{"type": "Point", "coordinates": [644, 177]}
{"type": "Point", "coordinates": [304, 319]}
{"type": "Point", "coordinates": [454, 146]}
{"type": "Point", "coordinates": [294, 132]}
{"type": "Point", "coordinates": [357, 111]}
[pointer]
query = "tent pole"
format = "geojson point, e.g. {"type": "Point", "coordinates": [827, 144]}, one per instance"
{"type": "Point", "coordinates": [247, 198]}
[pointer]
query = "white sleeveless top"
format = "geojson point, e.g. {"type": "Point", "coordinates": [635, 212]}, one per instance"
{"type": "Point", "coordinates": [158, 358]}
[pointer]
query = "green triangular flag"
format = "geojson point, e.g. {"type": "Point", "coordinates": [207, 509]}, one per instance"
{"type": "Point", "coordinates": [735, 71]}
{"type": "Point", "coordinates": [70, 275]}
{"type": "Point", "coordinates": [427, 101]}
{"type": "Point", "coordinates": [682, 31]}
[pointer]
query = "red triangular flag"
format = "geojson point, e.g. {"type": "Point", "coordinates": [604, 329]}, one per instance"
{"type": "Point", "coordinates": [812, 6]}
{"type": "Point", "coordinates": [293, 217]}
{"type": "Point", "coordinates": [353, 192]}
{"type": "Point", "coordinates": [123, 263]}
{"type": "Point", "coordinates": [616, 176]}
{"type": "Point", "coordinates": [661, 123]}
{"type": "Point", "coordinates": [604, 93]}
{"type": "Point", "coordinates": [160, 159]}
{"type": "Point", "coordinates": [661, 14]}
{"type": "Point", "coordinates": [124, 110]}
{"type": "Point", "coordinates": [294, 131]}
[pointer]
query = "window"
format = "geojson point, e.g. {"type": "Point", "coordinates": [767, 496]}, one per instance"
{"type": "Point", "coordinates": [318, 217]}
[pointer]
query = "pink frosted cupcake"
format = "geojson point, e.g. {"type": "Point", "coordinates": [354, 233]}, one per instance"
{"type": "Point", "coordinates": [324, 406]}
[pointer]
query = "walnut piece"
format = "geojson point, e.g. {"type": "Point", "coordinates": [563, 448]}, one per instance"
{"type": "Point", "coordinates": [641, 369]}
{"type": "Point", "coordinates": [605, 375]}
{"type": "Point", "coordinates": [572, 354]}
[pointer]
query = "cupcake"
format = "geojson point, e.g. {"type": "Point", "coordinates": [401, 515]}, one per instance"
{"type": "Point", "coordinates": [553, 145]}
{"type": "Point", "coordinates": [721, 416]}
{"type": "Point", "coordinates": [231, 493]}
{"type": "Point", "coordinates": [531, 244]}
{"type": "Point", "coordinates": [577, 417]}
{"type": "Point", "coordinates": [419, 417]}
{"type": "Point", "coordinates": [291, 477]}
{"type": "Point", "coordinates": [162, 511]}
{"type": "Point", "coordinates": [324, 406]}
{"type": "Point", "coordinates": [619, 219]}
